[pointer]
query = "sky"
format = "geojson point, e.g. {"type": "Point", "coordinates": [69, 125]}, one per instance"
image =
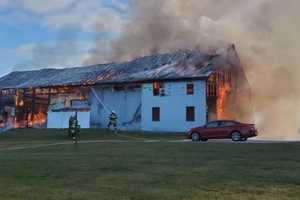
{"type": "Point", "coordinates": [56, 33]}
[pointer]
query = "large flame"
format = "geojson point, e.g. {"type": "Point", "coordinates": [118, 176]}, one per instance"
{"type": "Point", "coordinates": [38, 119]}
{"type": "Point", "coordinates": [223, 92]}
{"type": "Point", "coordinates": [18, 100]}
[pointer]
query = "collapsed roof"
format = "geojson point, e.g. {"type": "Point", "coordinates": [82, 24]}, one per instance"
{"type": "Point", "coordinates": [183, 64]}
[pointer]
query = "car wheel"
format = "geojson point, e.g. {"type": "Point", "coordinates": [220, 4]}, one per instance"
{"type": "Point", "coordinates": [236, 136]}
{"type": "Point", "coordinates": [195, 137]}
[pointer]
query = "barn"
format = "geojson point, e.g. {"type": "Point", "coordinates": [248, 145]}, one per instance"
{"type": "Point", "coordinates": [167, 92]}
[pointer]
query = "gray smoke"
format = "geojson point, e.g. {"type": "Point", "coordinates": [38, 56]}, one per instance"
{"type": "Point", "coordinates": [266, 33]}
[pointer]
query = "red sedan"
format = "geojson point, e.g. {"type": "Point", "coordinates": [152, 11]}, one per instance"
{"type": "Point", "coordinates": [225, 129]}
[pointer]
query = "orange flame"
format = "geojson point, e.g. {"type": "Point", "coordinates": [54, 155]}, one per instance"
{"type": "Point", "coordinates": [38, 119]}
{"type": "Point", "coordinates": [18, 100]}
{"type": "Point", "coordinates": [223, 92]}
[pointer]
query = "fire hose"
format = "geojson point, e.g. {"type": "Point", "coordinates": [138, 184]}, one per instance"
{"type": "Point", "coordinates": [108, 111]}
{"type": "Point", "coordinates": [100, 101]}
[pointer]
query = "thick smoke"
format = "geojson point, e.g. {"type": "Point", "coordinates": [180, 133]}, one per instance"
{"type": "Point", "coordinates": [266, 33]}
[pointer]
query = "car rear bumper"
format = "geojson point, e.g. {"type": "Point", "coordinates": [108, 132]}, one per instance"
{"type": "Point", "coordinates": [252, 133]}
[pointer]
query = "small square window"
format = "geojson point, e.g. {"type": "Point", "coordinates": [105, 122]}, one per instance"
{"type": "Point", "coordinates": [157, 86]}
{"type": "Point", "coordinates": [190, 114]}
{"type": "Point", "coordinates": [156, 114]}
{"type": "Point", "coordinates": [190, 89]}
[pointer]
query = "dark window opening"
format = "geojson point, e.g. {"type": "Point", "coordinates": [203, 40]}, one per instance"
{"type": "Point", "coordinates": [190, 89]}
{"type": "Point", "coordinates": [118, 88]}
{"type": "Point", "coordinates": [211, 89]}
{"type": "Point", "coordinates": [156, 114]}
{"type": "Point", "coordinates": [211, 86]}
{"type": "Point", "coordinates": [190, 114]}
{"type": "Point", "coordinates": [157, 88]}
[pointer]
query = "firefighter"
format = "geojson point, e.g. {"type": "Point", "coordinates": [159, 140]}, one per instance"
{"type": "Point", "coordinates": [113, 120]}
{"type": "Point", "coordinates": [1, 119]}
{"type": "Point", "coordinates": [73, 128]}
{"type": "Point", "coordinates": [5, 116]}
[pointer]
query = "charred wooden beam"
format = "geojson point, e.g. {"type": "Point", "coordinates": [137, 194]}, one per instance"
{"type": "Point", "coordinates": [33, 105]}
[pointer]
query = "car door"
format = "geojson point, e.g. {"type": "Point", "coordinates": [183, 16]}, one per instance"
{"type": "Point", "coordinates": [225, 128]}
{"type": "Point", "coordinates": [212, 130]}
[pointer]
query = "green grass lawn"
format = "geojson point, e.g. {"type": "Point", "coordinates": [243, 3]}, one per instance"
{"type": "Point", "coordinates": [134, 170]}
{"type": "Point", "coordinates": [38, 135]}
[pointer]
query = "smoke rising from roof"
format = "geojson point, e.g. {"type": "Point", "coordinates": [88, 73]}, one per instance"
{"type": "Point", "coordinates": [266, 33]}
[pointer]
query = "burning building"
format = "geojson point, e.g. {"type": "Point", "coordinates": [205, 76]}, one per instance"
{"type": "Point", "coordinates": [161, 92]}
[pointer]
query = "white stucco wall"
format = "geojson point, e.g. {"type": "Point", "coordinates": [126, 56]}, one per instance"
{"type": "Point", "coordinates": [173, 107]}
{"type": "Point", "coordinates": [124, 102]}
{"type": "Point", "coordinates": [61, 119]}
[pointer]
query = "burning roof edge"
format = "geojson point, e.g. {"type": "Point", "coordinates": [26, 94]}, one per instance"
{"type": "Point", "coordinates": [179, 65]}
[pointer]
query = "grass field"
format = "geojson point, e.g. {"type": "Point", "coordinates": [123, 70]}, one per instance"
{"type": "Point", "coordinates": [135, 170]}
